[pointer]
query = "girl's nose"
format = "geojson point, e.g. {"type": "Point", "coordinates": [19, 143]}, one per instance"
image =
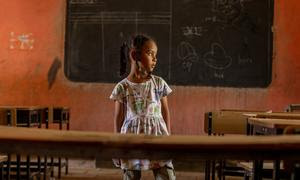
{"type": "Point", "coordinates": [154, 59]}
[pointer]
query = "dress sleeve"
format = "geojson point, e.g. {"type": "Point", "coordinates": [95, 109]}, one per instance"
{"type": "Point", "coordinates": [164, 89]}
{"type": "Point", "coordinates": [118, 93]}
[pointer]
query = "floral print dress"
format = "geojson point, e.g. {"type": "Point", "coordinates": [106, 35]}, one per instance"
{"type": "Point", "coordinates": [143, 115]}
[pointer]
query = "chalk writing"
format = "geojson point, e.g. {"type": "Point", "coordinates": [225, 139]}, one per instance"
{"type": "Point", "coordinates": [221, 4]}
{"type": "Point", "coordinates": [219, 75]}
{"type": "Point", "coordinates": [244, 60]}
{"type": "Point", "coordinates": [210, 19]}
{"type": "Point", "coordinates": [193, 30]}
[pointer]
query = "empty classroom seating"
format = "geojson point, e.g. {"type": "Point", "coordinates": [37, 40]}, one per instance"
{"type": "Point", "coordinates": [25, 167]}
{"type": "Point", "coordinates": [226, 122]}
{"type": "Point", "coordinates": [293, 108]}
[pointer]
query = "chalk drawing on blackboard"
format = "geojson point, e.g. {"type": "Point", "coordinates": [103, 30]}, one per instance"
{"type": "Point", "coordinates": [187, 54]}
{"type": "Point", "coordinates": [228, 11]}
{"type": "Point", "coordinates": [217, 57]}
{"type": "Point", "coordinates": [193, 30]}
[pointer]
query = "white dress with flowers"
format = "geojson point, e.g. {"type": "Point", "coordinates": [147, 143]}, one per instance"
{"type": "Point", "coordinates": [143, 116]}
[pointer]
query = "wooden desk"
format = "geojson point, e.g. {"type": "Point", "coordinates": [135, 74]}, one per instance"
{"type": "Point", "coordinates": [266, 126]}
{"type": "Point", "coordinates": [224, 122]}
{"type": "Point", "coordinates": [21, 115]}
{"type": "Point", "coordinates": [34, 115]}
{"type": "Point", "coordinates": [293, 108]}
{"type": "Point", "coordinates": [183, 148]}
{"type": "Point", "coordinates": [275, 115]}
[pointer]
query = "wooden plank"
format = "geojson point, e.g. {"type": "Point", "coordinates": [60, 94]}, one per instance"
{"type": "Point", "coordinates": [275, 123]}
{"type": "Point", "coordinates": [249, 165]}
{"type": "Point", "coordinates": [3, 117]}
{"type": "Point", "coordinates": [279, 115]}
{"type": "Point", "coordinates": [181, 148]}
{"type": "Point", "coordinates": [3, 158]}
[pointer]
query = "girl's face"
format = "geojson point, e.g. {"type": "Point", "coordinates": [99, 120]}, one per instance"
{"type": "Point", "coordinates": [148, 55]}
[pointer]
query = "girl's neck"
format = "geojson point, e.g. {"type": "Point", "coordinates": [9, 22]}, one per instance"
{"type": "Point", "coordinates": [137, 78]}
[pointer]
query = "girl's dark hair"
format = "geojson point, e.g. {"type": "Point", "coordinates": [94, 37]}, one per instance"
{"type": "Point", "coordinates": [137, 43]}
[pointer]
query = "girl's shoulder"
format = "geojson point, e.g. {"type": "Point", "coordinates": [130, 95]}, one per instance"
{"type": "Point", "coordinates": [123, 82]}
{"type": "Point", "coordinates": [122, 85]}
{"type": "Point", "coordinates": [162, 87]}
{"type": "Point", "coordinates": [158, 80]}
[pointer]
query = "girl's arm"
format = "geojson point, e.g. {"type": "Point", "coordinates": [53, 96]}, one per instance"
{"type": "Point", "coordinates": [118, 116]}
{"type": "Point", "coordinates": [165, 112]}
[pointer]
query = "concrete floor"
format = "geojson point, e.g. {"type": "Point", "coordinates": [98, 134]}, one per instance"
{"type": "Point", "coordinates": [86, 169]}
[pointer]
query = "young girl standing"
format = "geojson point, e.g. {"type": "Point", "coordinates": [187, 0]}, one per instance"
{"type": "Point", "coordinates": [141, 105]}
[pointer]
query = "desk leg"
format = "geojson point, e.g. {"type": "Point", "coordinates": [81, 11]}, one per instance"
{"type": "Point", "coordinates": [18, 167]}
{"type": "Point", "coordinates": [45, 167]}
{"type": "Point", "coordinates": [296, 170]}
{"type": "Point", "coordinates": [276, 171]}
{"type": "Point", "coordinates": [220, 170]}
{"type": "Point", "coordinates": [8, 166]}
{"type": "Point", "coordinates": [207, 170]}
{"type": "Point", "coordinates": [1, 170]}
{"type": "Point", "coordinates": [250, 129]}
{"type": "Point", "coordinates": [213, 169]}
{"type": "Point", "coordinates": [28, 167]}
{"type": "Point", "coordinates": [257, 174]}
{"type": "Point", "coordinates": [207, 163]}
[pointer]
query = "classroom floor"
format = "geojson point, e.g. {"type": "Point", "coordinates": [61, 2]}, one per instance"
{"type": "Point", "coordinates": [86, 170]}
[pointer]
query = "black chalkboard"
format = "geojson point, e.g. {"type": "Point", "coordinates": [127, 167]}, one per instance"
{"type": "Point", "coordinates": [201, 42]}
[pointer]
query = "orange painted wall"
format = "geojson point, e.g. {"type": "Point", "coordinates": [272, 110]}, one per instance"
{"type": "Point", "coordinates": [24, 71]}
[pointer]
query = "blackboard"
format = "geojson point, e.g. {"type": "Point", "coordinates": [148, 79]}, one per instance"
{"type": "Point", "coordinates": [201, 42]}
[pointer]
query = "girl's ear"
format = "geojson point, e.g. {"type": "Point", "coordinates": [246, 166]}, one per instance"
{"type": "Point", "coordinates": [132, 54]}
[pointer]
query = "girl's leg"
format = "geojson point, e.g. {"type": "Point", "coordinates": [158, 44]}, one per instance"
{"type": "Point", "coordinates": [132, 175]}
{"type": "Point", "coordinates": [164, 173]}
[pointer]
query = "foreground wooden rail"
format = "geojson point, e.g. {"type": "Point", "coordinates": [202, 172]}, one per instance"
{"type": "Point", "coordinates": [78, 144]}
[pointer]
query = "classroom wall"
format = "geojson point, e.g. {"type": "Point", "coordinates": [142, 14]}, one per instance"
{"type": "Point", "coordinates": [32, 59]}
